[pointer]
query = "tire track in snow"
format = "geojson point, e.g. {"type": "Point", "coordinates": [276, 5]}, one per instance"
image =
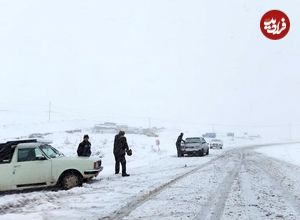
{"type": "Point", "coordinates": [126, 210]}
{"type": "Point", "coordinates": [224, 162]}
{"type": "Point", "coordinates": [258, 195]}
{"type": "Point", "coordinates": [218, 208]}
{"type": "Point", "coordinates": [279, 180]}
{"type": "Point", "coordinates": [214, 207]}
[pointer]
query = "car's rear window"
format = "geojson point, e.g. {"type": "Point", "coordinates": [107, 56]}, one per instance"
{"type": "Point", "coordinates": [216, 140]}
{"type": "Point", "coordinates": [6, 154]}
{"type": "Point", "coordinates": [193, 140]}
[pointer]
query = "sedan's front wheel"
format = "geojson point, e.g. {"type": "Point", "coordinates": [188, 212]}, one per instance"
{"type": "Point", "coordinates": [71, 180]}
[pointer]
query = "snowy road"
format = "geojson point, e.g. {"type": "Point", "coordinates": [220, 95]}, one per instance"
{"type": "Point", "coordinates": [241, 184]}
{"type": "Point", "coordinates": [236, 184]}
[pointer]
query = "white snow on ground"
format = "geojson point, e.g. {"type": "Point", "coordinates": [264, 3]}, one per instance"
{"type": "Point", "coordinates": [232, 187]}
{"type": "Point", "coordinates": [149, 168]}
{"type": "Point", "coordinates": [289, 153]}
{"type": "Point", "coordinates": [108, 193]}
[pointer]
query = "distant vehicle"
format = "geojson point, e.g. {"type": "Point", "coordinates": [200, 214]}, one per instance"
{"type": "Point", "coordinates": [216, 143]}
{"type": "Point", "coordinates": [254, 136]}
{"type": "Point", "coordinates": [36, 135]}
{"type": "Point", "coordinates": [230, 134]}
{"type": "Point", "coordinates": [74, 131]}
{"type": "Point", "coordinates": [194, 146]}
{"type": "Point", "coordinates": [209, 135]}
{"type": "Point", "coordinates": [32, 164]}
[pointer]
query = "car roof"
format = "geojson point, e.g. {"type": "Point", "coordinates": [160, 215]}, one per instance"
{"type": "Point", "coordinates": [194, 138]}
{"type": "Point", "coordinates": [29, 145]}
{"type": "Point", "coordinates": [14, 143]}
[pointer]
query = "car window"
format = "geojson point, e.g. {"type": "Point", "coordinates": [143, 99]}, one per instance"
{"type": "Point", "coordinates": [193, 140]}
{"type": "Point", "coordinates": [50, 151]}
{"type": "Point", "coordinates": [38, 152]}
{"type": "Point", "coordinates": [6, 154]}
{"type": "Point", "coordinates": [216, 140]}
{"type": "Point", "coordinates": [29, 154]}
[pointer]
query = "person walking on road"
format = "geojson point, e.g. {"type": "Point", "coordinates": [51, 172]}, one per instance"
{"type": "Point", "coordinates": [84, 148]}
{"type": "Point", "coordinates": [120, 149]}
{"type": "Point", "coordinates": [178, 144]}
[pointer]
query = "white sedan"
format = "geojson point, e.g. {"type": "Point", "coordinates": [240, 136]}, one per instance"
{"type": "Point", "coordinates": [216, 143]}
{"type": "Point", "coordinates": [32, 164]}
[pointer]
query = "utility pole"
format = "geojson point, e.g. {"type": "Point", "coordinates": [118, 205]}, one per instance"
{"type": "Point", "coordinates": [149, 122]}
{"type": "Point", "coordinates": [290, 131]}
{"type": "Point", "coordinates": [49, 115]}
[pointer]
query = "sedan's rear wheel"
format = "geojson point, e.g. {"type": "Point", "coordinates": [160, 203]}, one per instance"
{"type": "Point", "coordinates": [71, 180]}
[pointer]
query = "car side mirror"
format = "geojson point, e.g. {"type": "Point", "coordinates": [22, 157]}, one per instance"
{"type": "Point", "coordinates": [41, 158]}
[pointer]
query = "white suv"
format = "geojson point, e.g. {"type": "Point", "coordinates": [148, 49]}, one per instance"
{"type": "Point", "coordinates": [31, 164]}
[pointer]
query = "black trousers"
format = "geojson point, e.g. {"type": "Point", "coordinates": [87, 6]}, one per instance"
{"type": "Point", "coordinates": [120, 159]}
{"type": "Point", "coordinates": [178, 150]}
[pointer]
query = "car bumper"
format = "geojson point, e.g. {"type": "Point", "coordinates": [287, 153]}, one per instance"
{"type": "Point", "coordinates": [216, 146]}
{"type": "Point", "coordinates": [192, 151]}
{"type": "Point", "coordinates": [92, 173]}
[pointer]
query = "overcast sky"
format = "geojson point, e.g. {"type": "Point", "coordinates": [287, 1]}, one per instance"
{"type": "Point", "coordinates": [188, 60]}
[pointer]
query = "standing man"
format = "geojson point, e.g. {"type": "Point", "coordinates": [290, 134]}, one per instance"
{"type": "Point", "coordinates": [157, 142]}
{"type": "Point", "coordinates": [84, 148]}
{"type": "Point", "coordinates": [178, 144]}
{"type": "Point", "coordinates": [121, 149]}
{"type": "Point", "coordinates": [115, 151]}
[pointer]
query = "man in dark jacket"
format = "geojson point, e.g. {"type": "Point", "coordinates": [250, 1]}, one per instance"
{"type": "Point", "coordinates": [115, 151]}
{"type": "Point", "coordinates": [120, 149]}
{"type": "Point", "coordinates": [84, 148]}
{"type": "Point", "coordinates": [178, 144]}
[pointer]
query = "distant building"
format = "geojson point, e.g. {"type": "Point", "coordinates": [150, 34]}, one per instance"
{"type": "Point", "coordinates": [107, 127]}
{"type": "Point", "coordinates": [113, 128]}
{"type": "Point", "coordinates": [149, 132]}
{"type": "Point", "coordinates": [230, 134]}
{"type": "Point", "coordinates": [123, 128]}
{"type": "Point", "coordinates": [209, 135]}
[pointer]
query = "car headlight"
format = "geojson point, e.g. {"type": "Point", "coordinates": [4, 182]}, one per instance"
{"type": "Point", "coordinates": [97, 164]}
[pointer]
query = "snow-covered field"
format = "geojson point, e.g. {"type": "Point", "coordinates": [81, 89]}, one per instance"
{"type": "Point", "coordinates": [153, 173]}
{"type": "Point", "coordinates": [288, 153]}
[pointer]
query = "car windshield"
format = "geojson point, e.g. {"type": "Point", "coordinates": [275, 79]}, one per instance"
{"type": "Point", "coordinates": [215, 140]}
{"type": "Point", "coordinates": [50, 151]}
{"type": "Point", "coordinates": [193, 140]}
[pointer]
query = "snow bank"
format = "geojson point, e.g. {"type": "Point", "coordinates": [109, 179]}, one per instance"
{"type": "Point", "coordinates": [289, 153]}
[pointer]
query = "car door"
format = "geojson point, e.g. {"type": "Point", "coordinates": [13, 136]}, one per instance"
{"type": "Point", "coordinates": [6, 175]}
{"type": "Point", "coordinates": [6, 167]}
{"type": "Point", "coordinates": [32, 168]}
{"type": "Point", "coordinates": [203, 144]}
